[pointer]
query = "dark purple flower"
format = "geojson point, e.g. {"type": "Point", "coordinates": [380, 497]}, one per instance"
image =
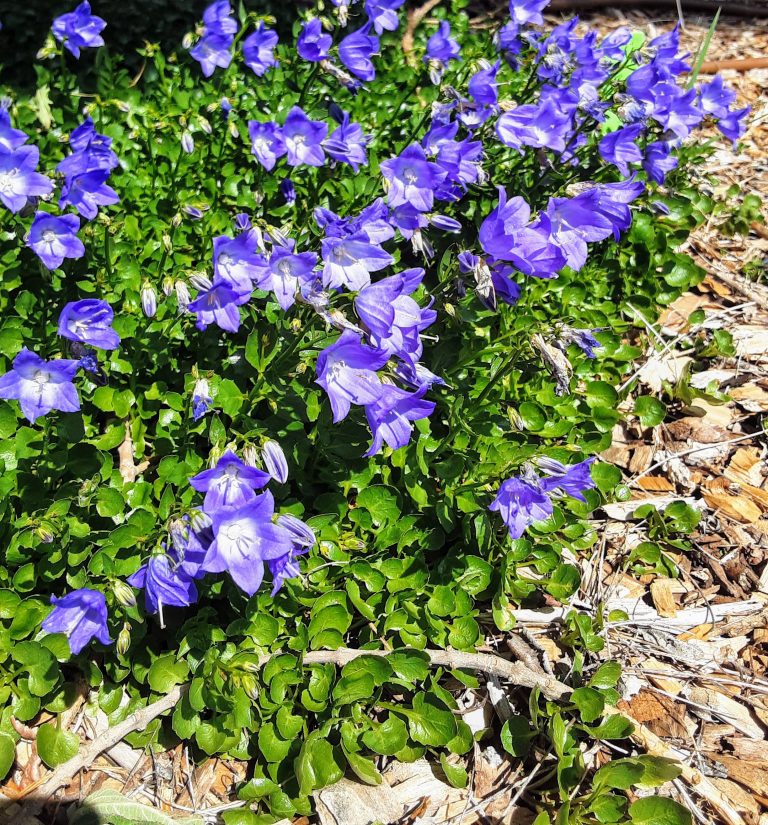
{"type": "Point", "coordinates": [482, 85]}
{"type": "Point", "coordinates": [412, 178]}
{"type": "Point", "coordinates": [356, 50]}
{"type": "Point", "coordinates": [212, 50]}
{"type": "Point", "coordinates": [390, 416]}
{"type": "Point", "coordinates": [349, 261]}
{"type": "Point", "coordinates": [18, 179]}
{"type": "Point", "coordinates": [54, 238]}
{"type": "Point", "coordinates": [658, 161]}
{"type": "Point", "coordinates": [287, 190]}
{"type": "Point", "coordinates": [267, 142]}
{"type": "Point", "coordinates": [10, 138]}
{"type": "Point", "coordinates": [620, 147]}
{"type": "Point", "coordinates": [346, 370]}
{"type": "Point", "coordinates": [81, 615]}
{"type": "Point", "coordinates": [304, 139]}
{"type": "Point", "coordinates": [79, 29]}
{"type": "Point", "coordinates": [258, 50]}
{"type": "Point", "coordinates": [383, 14]}
{"type": "Point", "coordinates": [274, 460]}
{"type": "Point", "coordinates": [583, 338]}
{"type": "Point", "coordinates": [219, 304]}
{"type": "Point", "coordinates": [41, 386]}
{"type": "Point", "coordinates": [347, 143]}
{"type": "Point", "coordinates": [164, 584]}
{"type": "Point", "coordinates": [244, 538]}
{"type": "Point", "coordinates": [508, 42]}
{"type": "Point", "coordinates": [313, 44]}
{"type": "Point", "coordinates": [231, 483]}
{"type": "Point", "coordinates": [521, 502]}
{"type": "Point", "coordinates": [90, 322]}
{"type": "Point", "coordinates": [543, 126]}
{"type": "Point", "coordinates": [571, 480]}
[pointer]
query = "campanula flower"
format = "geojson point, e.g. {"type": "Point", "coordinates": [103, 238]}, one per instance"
{"type": "Point", "coordinates": [164, 584]}
{"type": "Point", "coordinates": [258, 50]}
{"type": "Point", "coordinates": [383, 14]}
{"type": "Point", "coordinates": [19, 182]}
{"type": "Point", "coordinates": [441, 49]}
{"type": "Point", "coordinates": [85, 140]}
{"type": "Point", "coordinates": [304, 139]}
{"type": "Point", "coordinates": [219, 304]}
{"type": "Point", "coordinates": [10, 138]}
{"type": "Point", "coordinates": [356, 50]}
{"type": "Point", "coordinates": [527, 12]}
{"type": "Point", "coordinates": [412, 178]}
{"type": "Point", "coordinates": [733, 125]}
{"type": "Point", "coordinates": [620, 147]}
{"type": "Point", "coordinates": [482, 85]}
{"type": "Point", "coordinates": [571, 480]}
{"type": "Point", "coordinates": [41, 386]}
{"type": "Point", "coordinates": [521, 502]}
{"type": "Point", "coordinates": [54, 238]}
{"type": "Point", "coordinates": [218, 19]}
{"type": "Point", "coordinates": [543, 125]}
{"type": "Point", "coordinates": [244, 538]}
{"type": "Point", "coordinates": [267, 142]}
{"type": "Point", "coordinates": [87, 192]}
{"type": "Point", "coordinates": [81, 615]}
{"type": "Point", "coordinates": [301, 534]}
{"type": "Point", "coordinates": [90, 322]}
{"type": "Point", "coordinates": [274, 460]}
{"type": "Point", "coordinates": [349, 261]}
{"type": "Point", "coordinates": [288, 191]}
{"type": "Point", "coordinates": [346, 370]}
{"type": "Point", "coordinates": [390, 417]}
{"type": "Point", "coordinates": [286, 272]}
{"type": "Point", "coordinates": [508, 42]}
{"type": "Point", "coordinates": [313, 44]}
{"type": "Point", "coordinates": [583, 338]}
{"type": "Point", "coordinates": [347, 143]}
{"type": "Point", "coordinates": [284, 567]}
{"type": "Point", "coordinates": [201, 399]}
{"type": "Point", "coordinates": [237, 262]}
{"type": "Point", "coordinates": [148, 300]}
{"type": "Point", "coordinates": [212, 50]}
{"type": "Point", "coordinates": [231, 483]}
{"type": "Point", "coordinates": [658, 161]}
{"type": "Point", "coordinates": [79, 29]}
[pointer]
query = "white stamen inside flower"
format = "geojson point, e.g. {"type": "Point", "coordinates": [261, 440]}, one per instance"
{"type": "Point", "coordinates": [409, 176]}
{"type": "Point", "coordinates": [49, 236]}
{"type": "Point", "coordinates": [7, 180]}
{"type": "Point", "coordinates": [41, 377]}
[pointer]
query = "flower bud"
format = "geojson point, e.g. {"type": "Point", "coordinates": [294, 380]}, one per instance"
{"type": "Point", "coordinates": [232, 126]}
{"type": "Point", "coordinates": [148, 300]}
{"type": "Point", "coordinates": [124, 639]}
{"type": "Point", "coordinates": [167, 286]}
{"type": "Point", "coordinates": [187, 142]}
{"type": "Point", "coordinates": [200, 281]}
{"type": "Point", "coordinates": [188, 40]}
{"type": "Point", "coordinates": [205, 125]}
{"type": "Point", "coordinates": [288, 191]}
{"type": "Point", "coordinates": [301, 533]}
{"type": "Point", "coordinates": [199, 520]}
{"type": "Point", "coordinates": [124, 593]}
{"type": "Point", "coordinates": [250, 685]}
{"type": "Point", "coordinates": [243, 221]}
{"type": "Point", "coordinates": [45, 532]}
{"type": "Point", "coordinates": [274, 460]}
{"type": "Point", "coordinates": [193, 212]}
{"type": "Point", "coordinates": [167, 242]}
{"type": "Point", "coordinates": [176, 220]}
{"type": "Point", "coordinates": [251, 456]}
{"type": "Point", "coordinates": [182, 295]}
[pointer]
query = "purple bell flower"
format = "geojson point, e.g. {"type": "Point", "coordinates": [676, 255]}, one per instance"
{"type": "Point", "coordinates": [383, 14]}
{"type": "Point", "coordinates": [544, 125]}
{"type": "Point", "coordinates": [54, 238]}
{"type": "Point", "coordinates": [441, 49]}
{"type": "Point", "coordinates": [237, 262]}
{"type": "Point", "coordinates": [258, 50]}
{"type": "Point", "coordinates": [219, 305]}
{"type": "Point", "coordinates": [244, 538]}
{"type": "Point", "coordinates": [18, 179]}
{"type": "Point", "coordinates": [658, 161]}
{"type": "Point", "coordinates": [79, 29]}
{"type": "Point", "coordinates": [267, 143]}
{"type": "Point", "coordinates": [286, 273]}
{"type": "Point", "coordinates": [349, 261]}
{"type": "Point", "coordinates": [346, 370]}
{"type": "Point", "coordinates": [164, 584]}
{"type": "Point", "coordinates": [390, 417]}
{"type": "Point", "coordinates": [274, 460]}
{"type": "Point", "coordinates": [212, 50]}
{"type": "Point", "coordinates": [87, 192]}
{"type": "Point", "coordinates": [90, 322]}
{"type": "Point", "coordinates": [527, 12]}
{"type": "Point", "coordinates": [313, 44]}
{"type": "Point", "coordinates": [81, 615]}
{"type": "Point", "coordinates": [41, 386]}
{"type": "Point", "coordinates": [571, 480]}
{"type": "Point", "coordinates": [10, 138]}
{"type": "Point", "coordinates": [201, 399]}
{"type": "Point", "coordinates": [347, 143]}
{"type": "Point", "coordinates": [218, 19]}
{"type": "Point", "coordinates": [231, 483]}
{"type": "Point", "coordinates": [304, 139]}
{"type": "Point", "coordinates": [733, 125]}
{"type": "Point", "coordinates": [412, 178]}
{"type": "Point", "coordinates": [521, 502]}
{"type": "Point", "coordinates": [482, 85]}
{"type": "Point", "coordinates": [620, 147]}
{"type": "Point", "coordinates": [356, 50]}
{"type": "Point", "coordinates": [287, 190]}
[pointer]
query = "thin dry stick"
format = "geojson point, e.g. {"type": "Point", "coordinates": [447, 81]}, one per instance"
{"type": "Point", "coordinates": [415, 16]}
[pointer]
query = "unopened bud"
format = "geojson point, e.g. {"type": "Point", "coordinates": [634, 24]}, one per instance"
{"type": "Point", "coordinates": [149, 300]}
{"type": "Point", "coordinates": [45, 532]}
{"type": "Point", "coordinates": [515, 419]}
{"type": "Point", "coordinates": [251, 456]}
{"type": "Point", "coordinates": [200, 281]}
{"type": "Point", "coordinates": [205, 125]}
{"type": "Point", "coordinates": [187, 142]}
{"type": "Point", "coordinates": [188, 40]}
{"type": "Point", "coordinates": [124, 593]}
{"type": "Point", "coordinates": [167, 242]}
{"type": "Point", "coordinates": [232, 126]}
{"type": "Point", "coordinates": [124, 639]}
{"type": "Point", "coordinates": [250, 685]}
{"type": "Point", "coordinates": [167, 286]}
{"type": "Point", "coordinates": [274, 460]}
{"type": "Point", "coordinates": [182, 295]}
{"type": "Point", "coordinates": [176, 220]}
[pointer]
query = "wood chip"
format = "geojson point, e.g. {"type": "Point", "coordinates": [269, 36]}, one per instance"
{"type": "Point", "coordinates": [741, 508]}
{"type": "Point", "coordinates": [746, 467]}
{"type": "Point", "coordinates": [728, 710]}
{"type": "Point", "coordinates": [663, 599]}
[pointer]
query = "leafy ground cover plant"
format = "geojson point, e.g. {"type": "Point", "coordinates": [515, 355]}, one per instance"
{"type": "Point", "coordinates": [310, 347]}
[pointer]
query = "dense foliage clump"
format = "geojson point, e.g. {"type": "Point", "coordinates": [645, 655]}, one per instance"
{"type": "Point", "coordinates": [312, 344]}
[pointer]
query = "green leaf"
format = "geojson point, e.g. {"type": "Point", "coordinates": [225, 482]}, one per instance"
{"type": "Point", "coordinates": [363, 768]}
{"type": "Point", "coordinates": [7, 754]}
{"type": "Point", "coordinates": [516, 736]}
{"type": "Point", "coordinates": [316, 766]}
{"type": "Point", "coordinates": [589, 702]}
{"type": "Point", "coordinates": [429, 724]}
{"type": "Point", "coordinates": [658, 810]}
{"type": "Point", "coordinates": [387, 738]}
{"type": "Point", "coordinates": [106, 807]}
{"type": "Point", "coordinates": [614, 727]}
{"type": "Point", "coordinates": [333, 617]}
{"type": "Point", "coordinates": [650, 410]}
{"type": "Point", "coordinates": [56, 746]}
{"type": "Point", "coordinates": [606, 676]}
{"type": "Point", "coordinates": [456, 774]}
{"type": "Point", "coordinates": [165, 673]}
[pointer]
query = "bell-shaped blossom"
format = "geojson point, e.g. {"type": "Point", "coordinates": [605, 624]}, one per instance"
{"type": "Point", "coordinates": [383, 14]}
{"type": "Point", "coordinates": [733, 125]}
{"type": "Point", "coordinates": [212, 51]}
{"type": "Point", "coordinates": [347, 143]}
{"type": "Point", "coordinates": [620, 147]}
{"type": "Point", "coordinates": [304, 139]}
{"type": "Point", "coordinates": [201, 399]}
{"type": "Point", "coordinates": [219, 304]}
{"type": "Point", "coordinates": [346, 370]}
{"type": "Point", "coordinates": [81, 615]}
{"type": "Point", "coordinates": [79, 29]}
{"type": "Point", "coordinates": [658, 161]}
{"type": "Point", "coordinates": [164, 584]}
{"type": "Point", "coordinates": [441, 49]}
{"type": "Point", "coordinates": [571, 480]}
{"type": "Point", "coordinates": [258, 50]}
{"type": "Point", "coordinates": [41, 386]}
{"type": "Point", "coordinates": [412, 178]}
{"type": "Point", "coordinates": [527, 12]}
{"type": "Point", "coordinates": [313, 44]}
{"type": "Point", "coordinates": [356, 50]}
{"type": "Point", "coordinates": [53, 238]}
{"type": "Point", "coordinates": [274, 460]}
{"type": "Point", "coordinates": [88, 191]}
{"type": "Point", "coordinates": [286, 272]}
{"type": "Point", "coordinates": [218, 18]}
{"type": "Point", "coordinates": [19, 182]}
{"type": "Point", "coordinates": [390, 417]}
{"type": "Point", "coordinates": [244, 538]}
{"type": "Point", "coordinates": [715, 98]}
{"type": "Point", "coordinates": [90, 322]}
{"type": "Point", "coordinates": [576, 222]}
{"type": "Point", "coordinates": [230, 483]}
{"type": "Point", "coordinates": [10, 138]}
{"type": "Point", "coordinates": [521, 502]}
{"type": "Point", "coordinates": [238, 262]}
{"type": "Point", "coordinates": [267, 142]}
{"type": "Point", "coordinates": [482, 86]}
{"type": "Point", "coordinates": [349, 261]}
{"type": "Point", "coordinates": [583, 338]}
{"type": "Point", "coordinates": [544, 125]}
